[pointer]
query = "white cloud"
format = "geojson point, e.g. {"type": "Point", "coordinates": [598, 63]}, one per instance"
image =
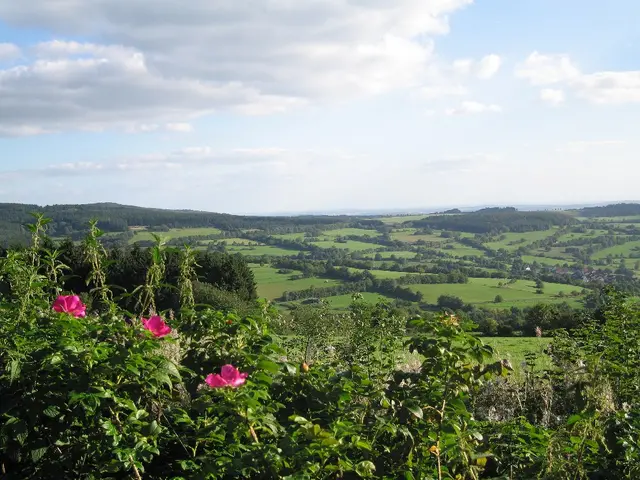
{"type": "Point", "coordinates": [582, 146]}
{"type": "Point", "coordinates": [471, 107]}
{"type": "Point", "coordinates": [463, 66]}
{"type": "Point", "coordinates": [488, 66]}
{"type": "Point", "coordinates": [182, 127]}
{"type": "Point", "coordinates": [184, 61]}
{"type": "Point", "coordinates": [607, 87]}
{"type": "Point", "coordinates": [462, 163]}
{"type": "Point", "coordinates": [9, 51]}
{"type": "Point", "coordinates": [610, 87]}
{"type": "Point", "coordinates": [552, 96]}
{"type": "Point", "coordinates": [542, 69]}
{"type": "Point", "coordinates": [484, 69]}
{"type": "Point", "coordinates": [439, 91]}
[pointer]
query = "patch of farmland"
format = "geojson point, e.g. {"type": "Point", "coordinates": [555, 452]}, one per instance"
{"type": "Point", "coordinates": [484, 291]}
{"type": "Point", "coordinates": [146, 235]}
{"type": "Point", "coordinates": [513, 241]}
{"type": "Point", "coordinates": [350, 245]}
{"type": "Point", "coordinates": [626, 250]}
{"type": "Point", "coordinates": [272, 285]}
{"type": "Point", "coordinates": [343, 232]}
{"type": "Point", "coordinates": [260, 250]}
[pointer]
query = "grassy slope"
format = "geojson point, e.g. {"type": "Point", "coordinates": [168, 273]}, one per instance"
{"type": "Point", "coordinates": [272, 285]}
{"type": "Point", "coordinates": [484, 291]}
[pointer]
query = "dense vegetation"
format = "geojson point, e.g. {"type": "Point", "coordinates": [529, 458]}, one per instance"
{"type": "Point", "coordinates": [100, 392]}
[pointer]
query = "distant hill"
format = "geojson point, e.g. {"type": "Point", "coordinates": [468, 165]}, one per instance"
{"type": "Point", "coordinates": [494, 220]}
{"type": "Point", "coordinates": [112, 217]}
{"type": "Point", "coordinates": [616, 210]}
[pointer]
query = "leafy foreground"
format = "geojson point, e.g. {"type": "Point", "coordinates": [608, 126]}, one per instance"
{"type": "Point", "coordinates": [206, 394]}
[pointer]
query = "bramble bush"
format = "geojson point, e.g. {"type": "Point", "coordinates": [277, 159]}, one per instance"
{"type": "Point", "coordinates": [98, 392]}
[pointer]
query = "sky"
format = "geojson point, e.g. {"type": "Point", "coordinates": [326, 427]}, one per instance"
{"type": "Point", "coordinates": [267, 106]}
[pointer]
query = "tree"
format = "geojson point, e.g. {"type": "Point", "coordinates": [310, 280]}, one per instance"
{"type": "Point", "coordinates": [498, 299]}
{"type": "Point", "coordinates": [450, 301]}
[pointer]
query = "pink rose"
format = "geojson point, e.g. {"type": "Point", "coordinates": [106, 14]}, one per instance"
{"type": "Point", "coordinates": [229, 376]}
{"type": "Point", "coordinates": [156, 326]}
{"type": "Point", "coordinates": [70, 304]}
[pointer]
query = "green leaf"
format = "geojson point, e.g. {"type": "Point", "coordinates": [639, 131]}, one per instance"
{"type": "Point", "coordinates": [269, 366]}
{"type": "Point", "coordinates": [51, 411]}
{"type": "Point", "coordinates": [365, 469]}
{"type": "Point", "coordinates": [38, 453]}
{"type": "Point", "coordinates": [415, 409]}
{"type": "Point", "coordinates": [14, 370]}
{"type": "Point", "coordinates": [573, 419]}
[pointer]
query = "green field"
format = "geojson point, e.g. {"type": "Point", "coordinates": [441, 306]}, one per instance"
{"type": "Point", "coordinates": [400, 219]}
{"type": "Point", "coordinates": [513, 241]}
{"type": "Point", "coordinates": [460, 250]}
{"type": "Point", "coordinates": [408, 235]}
{"type": "Point", "coordinates": [239, 241]}
{"type": "Point", "coordinates": [272, 285]}
{"type": "Point", "coordinates": [145, 235]}
{"type": "Point", "coordinates": [259, 250]}
{"type": "Point", "coordinates": [388, 255]}
{"type": "Point", "coordinates": [341, 302]}
{"type": "Point", "coordinates": [351, 245]}
{"type": "Point", "coordinates": [543, 260]}
{"type": "Point", "coordinates": [515, 349]}
{"type": "Point", "coordinates": [625, 250]}
{"type": "Point", "coordinates": [343, 232]}
{"type": "Point", "coordinates": [482, 291]}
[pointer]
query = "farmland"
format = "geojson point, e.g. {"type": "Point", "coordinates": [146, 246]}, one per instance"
{"type": "Point", "coordinates": [395, 248]}
{"type": "Point", "coordinates": [406, 260]}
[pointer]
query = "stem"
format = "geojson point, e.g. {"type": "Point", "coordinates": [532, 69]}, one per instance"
{"type": "Point", "coordinates": [135, 469]}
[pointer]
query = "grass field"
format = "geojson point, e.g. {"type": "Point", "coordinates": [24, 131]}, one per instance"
{"type": "Point", "coordinates": [513, 241]}
{"type": "Point", "coordinates": [484, 290]}
{"type": "Point", "coordinates": [259, 250]}
{"type": "Point", "coordinates": [515, 349]}
{"type": "Point", "coordinates": [341, 302]}
{"type": "Point", "coordinates": [400, 219]}
{"type": "Point", "coordinates": [351, 245]}
{"type": "Point", "coordinates": [241, 241]}
{"type": "Point", "coordinates": [460, 250]}
{"type": "Point", "coordinates": [407, 235]}
{"type": "Point", "coordinates": [625, 250]}
{"type": "Point", "coordinates": [272, 285]}
{"type": "Point", "coordinates": [397, 254]}
{"type": "Point", "coordinates": [343, 232]}
{"type": "Point", "coordinates": [544, 260]}
{"type": "Point", "coordinates": [144, 235]}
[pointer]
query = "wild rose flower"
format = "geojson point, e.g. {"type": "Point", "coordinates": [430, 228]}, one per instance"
{"type": "Point", "coordinates": [70, 304]}
{"type": "Point", "coordinates": [229, 376]}
{"type": "Point", "coordinates": [156, 326]}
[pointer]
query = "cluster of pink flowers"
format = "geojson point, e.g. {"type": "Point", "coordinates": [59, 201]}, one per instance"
{"type": "Point", "coordinates": [229, 375]}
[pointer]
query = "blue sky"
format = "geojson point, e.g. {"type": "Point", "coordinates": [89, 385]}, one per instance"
{"type": "Point", "coordinates": [282, 105]}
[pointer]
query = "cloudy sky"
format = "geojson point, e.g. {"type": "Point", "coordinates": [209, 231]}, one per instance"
{"type": "Point", "coordinates": [261, 106]}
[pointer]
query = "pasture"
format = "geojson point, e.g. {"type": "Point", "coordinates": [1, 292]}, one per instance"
{"type": "Point", "coordinates": [260, 250]}
{"type": "Point", "coordinates": [146, 235]}
{"type": "Point", "coordinates": [272, 285]}
{"type": "Point", "coordinates": [351, 245]}
{"type": "Point", "coordinates": [482, 291]}
{"type": "Point", "coordinates": [624, 250]}
{"type": "Point", "coordinates": [513, 241]}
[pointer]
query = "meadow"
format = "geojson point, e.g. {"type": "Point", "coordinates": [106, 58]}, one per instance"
{"type": "Point", "coordinates": [483, 291]}
{"type": "Point", "coordinates": [272, 285]}
{"type": "Point", "coordinates": [146, 235]}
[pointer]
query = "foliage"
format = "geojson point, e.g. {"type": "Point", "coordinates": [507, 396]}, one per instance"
{"type": "Point", "coordinates": [213, 394]}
